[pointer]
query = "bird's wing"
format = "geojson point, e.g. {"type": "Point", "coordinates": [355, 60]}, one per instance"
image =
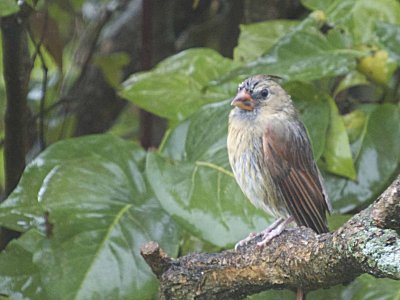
{"type": "Point", "coordinates": [289, 160]}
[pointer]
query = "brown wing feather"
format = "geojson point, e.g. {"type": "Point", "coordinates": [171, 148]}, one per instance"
{"type": "Point", "coordinates": [290, 163]}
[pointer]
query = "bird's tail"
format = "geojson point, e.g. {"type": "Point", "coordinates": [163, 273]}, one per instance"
{"type": "Point", "coordinates": [300, 295]}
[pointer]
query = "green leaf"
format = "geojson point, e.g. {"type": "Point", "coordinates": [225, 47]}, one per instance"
{"type": "Point", "coordinates": [359, 17]}
{"type": "Point", "coordinates": [101, 210]}
{"type": "Point", "coordinates": [8, 7]}
{"type": "Point", "coordinates": [367, 12]}
{"type": "Point", "coordinates": [377, 157]}
{"type": "Point", "coordinates": [303, 54]}
{"type": "Point", "coordinates": [337, 157]}
{"type": "Point", "coordinates": [19, 276]}
{"type": "Point", "coordinates": [389, 36]}
{"type": "Point", "coordinates": [180, 84]}
{"type": "Point", "coordinates": [257, 38]}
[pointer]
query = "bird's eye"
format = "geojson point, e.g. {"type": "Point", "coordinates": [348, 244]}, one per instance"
{"type": "Point", "coordinates": [264, 93]}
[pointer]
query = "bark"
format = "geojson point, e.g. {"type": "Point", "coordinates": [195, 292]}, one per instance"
{"type": "Point", "coordinates": [16, 62]}
{"type": "Point", "coordinates": [367, 243]}
{"type": "Point", "coordinates": [17, 66]}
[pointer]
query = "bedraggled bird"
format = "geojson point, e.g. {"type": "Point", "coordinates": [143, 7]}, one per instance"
{"type": "Point", "coordinates": [272, 160]}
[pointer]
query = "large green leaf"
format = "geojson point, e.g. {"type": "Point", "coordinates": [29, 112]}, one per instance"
{"type": "Point", "coordinates": [304, 53]}
{"type": "Point", "coordinates": [99, 211]}
{"type": "Point", "coordinates": [257, 38]}
{"type": "Point", "coordinates": [179, 85]}
{"type": "Point", "coordinates": [366, 13]}
{"type": "Point", "coordinates": [376, 151]}
{"type": "Point", "coordinates": [359, 17]}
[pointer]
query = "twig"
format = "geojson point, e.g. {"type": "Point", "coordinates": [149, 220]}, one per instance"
{"type": "Point", "coordinates": [38, 52]}
{"type": "Point", "coordinates": [146, 118]}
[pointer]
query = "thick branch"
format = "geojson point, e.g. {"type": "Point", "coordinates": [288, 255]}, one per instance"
{"type": "Point", "coordinates": [367, 243]}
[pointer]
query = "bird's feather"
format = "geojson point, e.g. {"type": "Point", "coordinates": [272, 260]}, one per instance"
{"type": "Point", "coordinates": [289, 161]}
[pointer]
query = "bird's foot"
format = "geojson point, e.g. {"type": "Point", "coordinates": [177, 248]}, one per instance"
{"type": "Point", "coordinates": [273, 231]}
{"type": "Point", "coordinates": [245, 241]}
{"type": "Point", "coordinates": [267, 234]}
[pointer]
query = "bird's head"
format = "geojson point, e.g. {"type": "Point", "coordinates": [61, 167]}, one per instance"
{"type": "Point", "coordinates": [261, 92]}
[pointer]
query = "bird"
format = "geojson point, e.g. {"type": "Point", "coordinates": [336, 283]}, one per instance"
{"type": "Point", "coordinates": [272, 160]}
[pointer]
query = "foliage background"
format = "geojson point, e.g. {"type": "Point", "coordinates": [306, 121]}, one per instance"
{"type": "Point", "coordinates": [85, 205]}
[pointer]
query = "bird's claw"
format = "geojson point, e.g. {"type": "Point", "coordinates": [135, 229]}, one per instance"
{"type": "Point", "coordinates": [245, 241]}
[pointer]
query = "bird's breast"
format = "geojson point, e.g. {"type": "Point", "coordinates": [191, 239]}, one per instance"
{"type": "Point", "coordinates": [246, 156]}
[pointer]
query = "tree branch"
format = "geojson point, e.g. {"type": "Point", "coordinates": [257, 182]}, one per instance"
{"type": "Point", "coordinates": [367, 243]}
{"type": "Point", "coordinates": [17, 65]}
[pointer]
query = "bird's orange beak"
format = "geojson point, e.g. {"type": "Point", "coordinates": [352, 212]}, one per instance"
{"type": "Point", "coordinates": [243, 100]}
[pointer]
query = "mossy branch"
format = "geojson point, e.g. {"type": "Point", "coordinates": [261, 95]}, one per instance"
{"type": "Point", "coordinates": [368, 243]}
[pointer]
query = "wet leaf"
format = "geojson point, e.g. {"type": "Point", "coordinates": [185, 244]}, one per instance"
{"type": "Point", "coordinates": [376, 155]}
{"type": "Point", "coordinates": [302, 54]}
{"type": "Point", "coordinates": [359, 17]}
{"type": "Point", "coordinates": [180, 84]}
{"type": "Point", "coordinates": [257, 38]}
{"type": "Point", "coordinates": [89, 197]}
